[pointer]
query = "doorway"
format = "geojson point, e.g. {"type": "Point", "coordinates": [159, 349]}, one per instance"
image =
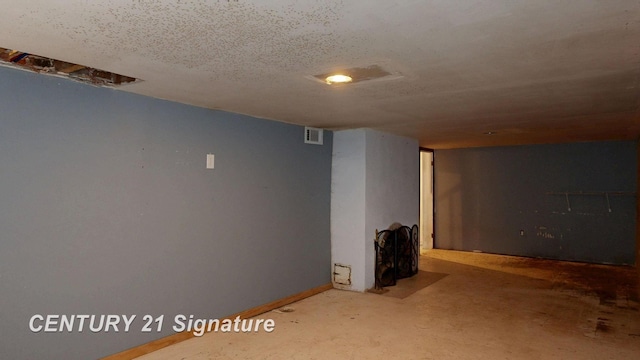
{"type": "Point", "coordinates": [427, 211]}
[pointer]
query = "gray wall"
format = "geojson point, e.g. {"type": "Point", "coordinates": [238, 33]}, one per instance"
{"type": "Point", "coordinates": [107, 208]}
{"type": "Point", "coordinates": [486, 196]}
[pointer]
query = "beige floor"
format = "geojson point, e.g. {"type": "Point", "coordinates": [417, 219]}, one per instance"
{"type": "Point", "coordinates": [467, 306]}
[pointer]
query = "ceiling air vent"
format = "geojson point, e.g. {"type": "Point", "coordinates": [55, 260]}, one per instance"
{"type": "Point", "coordinates": [312, 135]}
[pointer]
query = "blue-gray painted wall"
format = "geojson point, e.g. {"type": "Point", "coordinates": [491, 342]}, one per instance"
{"type": "Point", "coordinates": [106, 208]}
{"type": "Point", "coordinates": [484, 197]}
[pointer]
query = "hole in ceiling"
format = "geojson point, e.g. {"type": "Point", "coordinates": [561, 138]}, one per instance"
{"type": "Point", "coordinates": [359, 74]}
{"type": "Point", "coordinates": [45, 65]}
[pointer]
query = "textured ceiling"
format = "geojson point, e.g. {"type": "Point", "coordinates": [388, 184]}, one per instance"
{"type": "Point", "coordinates": [530, 71]}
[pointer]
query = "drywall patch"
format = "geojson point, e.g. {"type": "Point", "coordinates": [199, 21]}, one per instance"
{"type": "Point", "coordinates": [45, 65]}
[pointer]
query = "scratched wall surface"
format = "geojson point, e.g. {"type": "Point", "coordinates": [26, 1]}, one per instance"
{"type": "Point", "coordinates": [107, 208]}
{"type": "Point", "coordinates": [505, 200]}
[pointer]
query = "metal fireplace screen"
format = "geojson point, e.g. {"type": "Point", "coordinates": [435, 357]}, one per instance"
{"type": "Point", "coordinates": [397, 252]}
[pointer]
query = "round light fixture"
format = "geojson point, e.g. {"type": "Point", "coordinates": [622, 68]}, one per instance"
{"type": "Point", "coordinates": [338, 78]}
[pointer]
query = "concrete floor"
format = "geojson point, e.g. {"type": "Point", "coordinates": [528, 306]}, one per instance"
{"type": "Point", "coordinates": [460, 306]}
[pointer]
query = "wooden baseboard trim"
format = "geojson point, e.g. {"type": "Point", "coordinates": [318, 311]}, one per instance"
{"type": "Point", "coordinates": [179, 337]}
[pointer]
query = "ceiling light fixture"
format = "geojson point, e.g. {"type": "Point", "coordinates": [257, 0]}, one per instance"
{"type": "Point", "coordinates": [354, 75]}
{"type": "Point", "coordinates": [490, 133]}
{"type": "Point", "coordinates": [338, 78]}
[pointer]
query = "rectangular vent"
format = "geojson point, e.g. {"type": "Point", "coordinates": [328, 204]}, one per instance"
{"type": "Point", "coordinates": [312, 135]}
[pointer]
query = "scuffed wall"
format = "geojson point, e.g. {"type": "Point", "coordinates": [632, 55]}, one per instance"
{"type": "Point", "coordinates": [512, 200]}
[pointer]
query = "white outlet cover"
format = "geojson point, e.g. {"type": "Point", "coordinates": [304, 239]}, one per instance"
{"type": "Point", "coordinates": [210, 161]}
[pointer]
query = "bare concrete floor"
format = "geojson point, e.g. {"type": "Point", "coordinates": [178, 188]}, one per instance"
{"type": "Point", "coordinates": [460, 306]}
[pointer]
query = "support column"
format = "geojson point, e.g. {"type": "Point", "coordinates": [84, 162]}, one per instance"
{"type": "Point", "coordinates": [375, 182]}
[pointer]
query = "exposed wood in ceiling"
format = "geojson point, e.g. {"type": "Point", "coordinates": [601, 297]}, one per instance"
{"type": "Point", "coordinates": [47, 65]}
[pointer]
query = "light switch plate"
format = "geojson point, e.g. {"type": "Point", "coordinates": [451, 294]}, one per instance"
{"type": "Point", "coordinates": [210, 161]}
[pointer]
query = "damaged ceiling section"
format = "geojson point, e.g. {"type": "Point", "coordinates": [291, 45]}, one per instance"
{"type": "Point", "coordinates": [45, 65]}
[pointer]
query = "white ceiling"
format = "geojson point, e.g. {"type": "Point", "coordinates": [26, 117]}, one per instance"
{"type": "Point", "coordinates": [532, 71]}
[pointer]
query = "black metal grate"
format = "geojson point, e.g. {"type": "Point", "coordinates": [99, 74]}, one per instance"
{"type": "Point", "coordinates": [397, 252]}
